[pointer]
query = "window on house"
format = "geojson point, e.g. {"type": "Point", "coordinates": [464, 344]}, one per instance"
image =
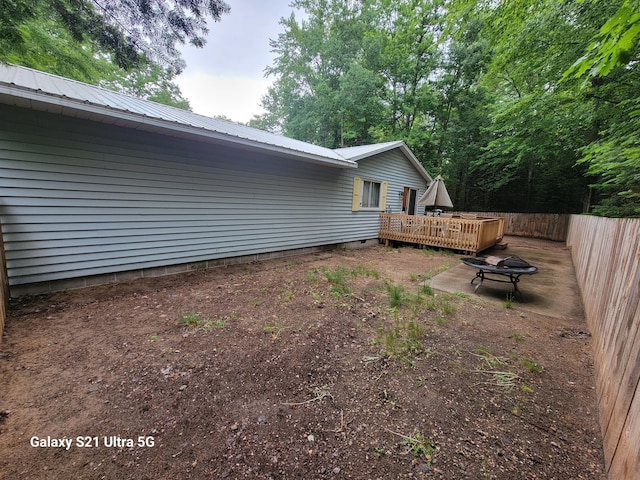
{"type": "Point", "coordinates": [371, 194]}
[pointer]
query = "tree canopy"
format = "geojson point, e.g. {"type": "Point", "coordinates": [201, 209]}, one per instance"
{"type": "Point", "coordinates": [129, 31]}
{"type": "Point", "coordinates": [492, 95]}
{"type": "Point", "coordinates": [121, 45]}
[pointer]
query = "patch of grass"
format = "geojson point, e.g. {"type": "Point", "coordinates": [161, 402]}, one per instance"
{"type": "Point", "coordinates": [432, 304]}
{"type": "Point", "coordinates": [190, 320]}
{"type": "Point", "coordinates": [362, 270]}
{"type": "Point", "coordinates": [425, 289]}
{"type": "Point", "coordinates": [311, 276]}
{"type": "Point", "coordinates": [463, 295]}
{"type": "Point", "coordinates": [440, 320]}
{"type": "Point", "coordinates": [446, 306]}
{"type": "Point", "coordinates": [338, 282]}
{"type": "Point", "coordinates": [440, 269]}
{"type": "Point", "coordinates": [517, 337]}
{"type": "Point", "coordinates": [338, 279]}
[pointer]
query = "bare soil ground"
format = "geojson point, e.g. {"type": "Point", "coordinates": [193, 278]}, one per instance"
{"type": "Point", "coordinates": [327, 366]}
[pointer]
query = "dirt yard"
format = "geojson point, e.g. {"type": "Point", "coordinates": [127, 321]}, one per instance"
{"type": "Point", "coordinates": [327, 366]}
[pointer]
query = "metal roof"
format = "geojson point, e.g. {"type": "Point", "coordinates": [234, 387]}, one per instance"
{"type": "Point", "coordinates": [30, 88]}
{"type": "Point", "coordinates": [25, 87]}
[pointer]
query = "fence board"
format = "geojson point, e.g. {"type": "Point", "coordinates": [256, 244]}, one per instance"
{"type": "Point", "coordinates": [552, 226]}
{"type": "Point", "coordinates": [606, 257]}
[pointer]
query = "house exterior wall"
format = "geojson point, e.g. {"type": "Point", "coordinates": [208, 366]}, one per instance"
{"type": "Point", "coordinates": [80, 199]}
{"type": "Point", "coordinates": [394, 168]}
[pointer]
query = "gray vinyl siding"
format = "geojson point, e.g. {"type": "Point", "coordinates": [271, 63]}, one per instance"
{"type": "Point", "coordinates": [392, 167]}
{"type": "Point", "coordinates": [80, 199]}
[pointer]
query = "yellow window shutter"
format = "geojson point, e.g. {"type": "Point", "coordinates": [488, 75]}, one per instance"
{"type": "Point", "coordinates": [355, 204]}
{"type": "Point", "coordinates": [383, 196]}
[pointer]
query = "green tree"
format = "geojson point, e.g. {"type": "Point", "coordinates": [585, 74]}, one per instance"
{"type": "Point", "coordinates": [611, 67]}
{"type": "Point", "coordinates": [461, 116]}
{"type": "Point", "coordinates": [537, 125]}
{"type": "Point", "coordinates": [153, 82]}
{"type": "Point", "coordinates": [47, 45]}
{"type": "Point", "coordinates": [129, 31]}
{"type": "Point", "coordinates": [354, 72]}
{"type": "Point", "coordinates": [322, 92]}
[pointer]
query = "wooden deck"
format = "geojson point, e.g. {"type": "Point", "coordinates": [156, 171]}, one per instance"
{"type": "Point", "coordinates": [469, 234]}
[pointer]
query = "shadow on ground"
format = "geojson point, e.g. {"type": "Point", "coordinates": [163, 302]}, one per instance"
{"type": "Point", "coordinates": [553, 291]}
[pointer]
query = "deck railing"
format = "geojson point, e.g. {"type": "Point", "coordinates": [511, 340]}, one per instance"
{"type": "Point", "coordinates": [465, 233]}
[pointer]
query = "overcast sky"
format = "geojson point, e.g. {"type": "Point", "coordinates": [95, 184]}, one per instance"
{"type": "Point", "coordinates": [227, 76]}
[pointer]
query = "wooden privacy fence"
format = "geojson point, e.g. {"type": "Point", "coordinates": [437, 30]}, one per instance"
{"type": "Point", "coordinates": [606, 257]}
{"type": "Point", "coordinates": [552, 226]}
{"type": "Point", "coordinates": [465, 233]}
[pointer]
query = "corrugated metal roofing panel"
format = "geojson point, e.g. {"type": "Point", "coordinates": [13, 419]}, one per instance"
{"type": "Point", "coordinates": [82, 96]}
{"type": "Point", "coordinates": [356, 153]}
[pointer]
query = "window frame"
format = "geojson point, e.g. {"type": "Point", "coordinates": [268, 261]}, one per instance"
{"type": "Point", "coordinates": [367, 206]}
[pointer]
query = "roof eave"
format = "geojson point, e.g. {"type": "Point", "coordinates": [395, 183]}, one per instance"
{"type": "Point", "coordinates": [42, 101]}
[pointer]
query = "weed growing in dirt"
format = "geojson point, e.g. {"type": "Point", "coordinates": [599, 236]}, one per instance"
{"type": "Point", "coordinates": [285, 295]}
{"type": "Point", "coordinates": [197, 322]}
{"type": "Point", "coordinates": [532, 366]}
{"type": "Point", "coordinates": [397, 295]}
{"type": "Point", "coordinates": [403, 340]}
{"type": "Point", "coordinates": [446, 306]}
{"type": "Point", "coordinates": [426, 289]}
{"type": "Point", "coordinates": [279, 325]}
{"type": "Point", "coordinates": [418, 445]}
{"type": "Point", "coordinates": [508, 303]}
{"type": "Point", "coordinates": [517, 337]}
{"type": "Point", "coordinates": [498, 367]}
{"type": "Point", "coordinates": [319, 395]}
{"type": "Point", "coordinates": [489, 360]}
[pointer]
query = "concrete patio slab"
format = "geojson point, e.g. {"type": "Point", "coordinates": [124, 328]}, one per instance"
{"type": "Point", "coordinates": [553, 291]}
